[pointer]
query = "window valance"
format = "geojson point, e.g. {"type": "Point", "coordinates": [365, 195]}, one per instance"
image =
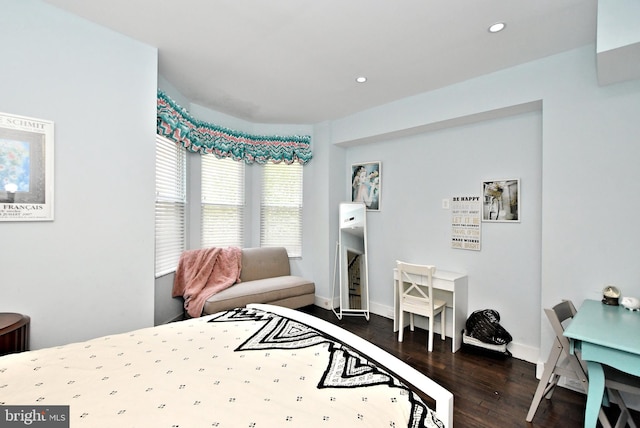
{"type": "Point", "coordinates": [176, 124]}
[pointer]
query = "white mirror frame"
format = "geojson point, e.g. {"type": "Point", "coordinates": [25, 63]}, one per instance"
{"type": "Point", "coordinates": [352, 239]}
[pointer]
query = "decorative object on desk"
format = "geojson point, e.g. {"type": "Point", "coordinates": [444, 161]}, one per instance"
{"type": "Point", "coordinates": [366, 181]}
{"type": "Point", "coordinates": [501, 201]}
{"type": "Point", "coordinates": [631, 303]}
{"type": "Point", "coordinates": [610, 295]}
{"type": "Point", "coordinates": [26, 168]}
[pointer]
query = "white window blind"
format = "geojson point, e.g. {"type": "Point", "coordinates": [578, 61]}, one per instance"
{"type": "Point", "coordinates": [281, 207]}
{"type": "Point", "coordinates": [222, 204]}
{"type": "Point", "coordinates": [171, 203]}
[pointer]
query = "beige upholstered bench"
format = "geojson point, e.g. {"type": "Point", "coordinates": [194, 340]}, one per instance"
{"type": "Point", "coordinates": [265, 278]}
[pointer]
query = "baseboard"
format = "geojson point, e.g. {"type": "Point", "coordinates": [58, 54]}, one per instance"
{"type": "Point", "coordinates": [382, 310]}
{"type": "Point", "coordinates": [524, 352]}
{"type": "Point", "coordinates": [325, 303]}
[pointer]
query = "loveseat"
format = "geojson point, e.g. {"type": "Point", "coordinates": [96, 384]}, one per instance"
{"type": "Point", "coordinates": [265, 277]}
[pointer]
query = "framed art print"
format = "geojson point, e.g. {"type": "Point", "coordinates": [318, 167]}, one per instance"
{"type": "Point", "coordinates": [501, 200]}
{"type": "Point", "coordinates": [26, 168]}
{"type": "Point", "coordinates": [366, 182]}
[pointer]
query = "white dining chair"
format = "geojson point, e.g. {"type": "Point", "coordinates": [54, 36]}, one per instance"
{"type": "Point", "coordinates": [418, 299]}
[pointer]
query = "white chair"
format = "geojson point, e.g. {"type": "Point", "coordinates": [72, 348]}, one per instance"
{"type": "Point", "coordinates": [418, 299]}
{"type": "Point", "coordinates": [562, 362]}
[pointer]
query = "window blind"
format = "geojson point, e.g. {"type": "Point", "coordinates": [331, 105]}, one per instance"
{"type": "Point", "coordinates": [222, 204]}
{"type": "Point", "coordinates": [170, 206]}
{"type": "Point", "coordinates": [281, 207]}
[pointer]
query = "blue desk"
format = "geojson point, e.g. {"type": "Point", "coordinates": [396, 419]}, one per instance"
{"type": "Point", "coordinates": [606, 335]}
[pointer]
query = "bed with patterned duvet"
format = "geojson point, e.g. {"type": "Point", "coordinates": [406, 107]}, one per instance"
{"type": "Point", "coordinates": [259, 366]}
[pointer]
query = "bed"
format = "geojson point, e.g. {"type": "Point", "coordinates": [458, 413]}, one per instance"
{"type": "Point", "coordinates": [259, 366]}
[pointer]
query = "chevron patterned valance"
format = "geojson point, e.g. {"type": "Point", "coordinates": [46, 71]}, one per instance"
{"type": "Point", "coordinates": [176, 124]}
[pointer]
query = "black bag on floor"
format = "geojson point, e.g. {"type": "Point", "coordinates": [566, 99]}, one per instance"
{"type": "Point", "coordinates": [484, 325]}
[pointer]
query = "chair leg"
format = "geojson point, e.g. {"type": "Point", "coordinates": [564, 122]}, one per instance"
{"type": "Point", "coordinates": [548, 392]}
{"type": "Point", "coordinates": [430, 345]}
{"type": "Point", "coordinates": [547, 374]}
{"type": "Point", "coordinates": [602, 417]}
{"type": "Point", "coordinates": [625, 416]}
{"type": "Point", "coordinates": [401, 324]}
{"type": "Point", "coordinates": [443, 317]}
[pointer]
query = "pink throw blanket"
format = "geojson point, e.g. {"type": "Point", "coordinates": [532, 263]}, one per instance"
{"type": "Point", "coordinates": [203, 273]}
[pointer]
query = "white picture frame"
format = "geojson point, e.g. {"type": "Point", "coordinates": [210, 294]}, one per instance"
{"type": "Point", "coordinates": [26, 168]}
{"type": "Point", "coordinates": [366, 184]}
{"type": "Point", "coordinates": [501, 201]}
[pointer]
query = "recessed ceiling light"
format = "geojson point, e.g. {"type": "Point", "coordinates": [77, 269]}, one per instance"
{"type": "Point", "coordinates": [497, 27]}
{"type": "Point", "coordinates": [361, 79]}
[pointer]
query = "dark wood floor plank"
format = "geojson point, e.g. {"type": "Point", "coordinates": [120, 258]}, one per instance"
{"type": "Point", "coordinates": [488, 391]}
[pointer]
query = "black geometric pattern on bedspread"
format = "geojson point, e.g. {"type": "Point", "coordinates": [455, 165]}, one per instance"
{"type": "Point", "coordinates": [347, 368]}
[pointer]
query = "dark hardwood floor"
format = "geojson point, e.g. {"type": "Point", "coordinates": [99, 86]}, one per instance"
{"type": "Point", "coordinates": [488, 391]}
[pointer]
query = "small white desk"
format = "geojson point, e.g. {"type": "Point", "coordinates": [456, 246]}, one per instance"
{"type": "Point", "coordinates": [450, 287]}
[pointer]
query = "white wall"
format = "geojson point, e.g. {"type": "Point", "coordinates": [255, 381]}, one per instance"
{"type": "Point", "coordinates": [589, 186]}
{"type": "Point", "coordinates": [89, 272]}
{"type": "Point", "coordinates": [419, 172]}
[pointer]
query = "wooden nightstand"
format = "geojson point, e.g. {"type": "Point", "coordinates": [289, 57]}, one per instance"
{"type": "Point", "coordinates": [14, 333]}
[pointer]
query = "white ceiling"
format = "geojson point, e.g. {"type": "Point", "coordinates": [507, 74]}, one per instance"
{"type": "Point", "coordinates": [295, 61]}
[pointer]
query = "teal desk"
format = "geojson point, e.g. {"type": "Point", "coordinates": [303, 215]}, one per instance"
{"type": "Point", "coordinates": [606, 335]}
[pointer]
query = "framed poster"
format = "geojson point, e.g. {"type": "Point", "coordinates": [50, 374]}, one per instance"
{"type": "Point", "coordinates": [466, 233]}
{"type": "Point", "coordinates": [501, 201]}
{"type": "Point", "coordinates": [366, 181]}
{"type": "Point", "coordinates": [26, 168]}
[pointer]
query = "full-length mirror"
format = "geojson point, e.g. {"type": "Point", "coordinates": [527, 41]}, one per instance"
{"type": "Point", "coordinates": [352, 260]}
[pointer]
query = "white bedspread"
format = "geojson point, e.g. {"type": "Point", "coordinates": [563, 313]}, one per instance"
{"type": "Point", "coordinates": [241, 368]}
